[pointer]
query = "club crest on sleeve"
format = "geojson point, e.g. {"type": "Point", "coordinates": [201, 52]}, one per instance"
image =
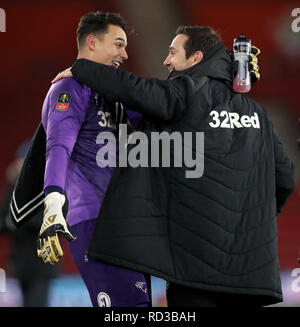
{"type": "Point", "coordinates": [63, 102]}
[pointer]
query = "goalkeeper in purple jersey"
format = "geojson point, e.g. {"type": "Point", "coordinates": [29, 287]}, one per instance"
{"type": "Point", "coordinates": [73, 115]}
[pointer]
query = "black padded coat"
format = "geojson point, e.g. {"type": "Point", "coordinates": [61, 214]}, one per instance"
{"type": "Point", "coordinates": [215, 232]}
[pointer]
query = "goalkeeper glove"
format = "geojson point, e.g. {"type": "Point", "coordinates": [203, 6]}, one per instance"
{"type": "Point", "coordinates": [48, 247]}
{"type": "Point", "coordinates": [253, 66]}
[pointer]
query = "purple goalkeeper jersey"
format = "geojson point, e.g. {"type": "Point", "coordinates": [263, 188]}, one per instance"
{"type": "Point", "coordinates": [73, 115]}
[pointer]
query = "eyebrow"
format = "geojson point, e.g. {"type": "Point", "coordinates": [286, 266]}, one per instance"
{"type": "Point", "coordinates": [120, 39]}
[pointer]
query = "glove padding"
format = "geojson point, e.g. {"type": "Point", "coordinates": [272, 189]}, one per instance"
{"type": "Point", "coordinates": [48, 246]}
{"type": "Point", "coordinates": [253, 66]}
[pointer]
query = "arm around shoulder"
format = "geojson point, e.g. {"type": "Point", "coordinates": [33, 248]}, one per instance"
{"type": "Point", "coordinates": [150, 96]}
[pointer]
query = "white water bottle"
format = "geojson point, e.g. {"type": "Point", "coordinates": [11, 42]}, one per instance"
{"type": "Point", "coordinates": [242, 50]}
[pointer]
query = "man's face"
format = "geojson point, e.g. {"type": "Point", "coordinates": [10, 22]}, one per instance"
{"type": "Point", "coordinates": [176, 58]}
{"type": "Point", "coordinates": [110, 48]}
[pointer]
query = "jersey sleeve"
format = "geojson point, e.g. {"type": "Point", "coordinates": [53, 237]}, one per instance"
{"type": "Point", "coordinates": [134, 118]}
{"type": "Point", "coordinates": [63, 114]}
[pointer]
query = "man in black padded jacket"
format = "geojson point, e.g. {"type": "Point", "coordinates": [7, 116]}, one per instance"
{"type": "Point", "coordinates": [213, 237]}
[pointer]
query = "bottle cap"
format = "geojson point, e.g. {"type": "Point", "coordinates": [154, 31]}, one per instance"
{"type": "Point", "coordinates": [242, 38]}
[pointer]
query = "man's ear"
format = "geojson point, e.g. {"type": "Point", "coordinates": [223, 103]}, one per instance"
{"type": "Point", "coordinates": [90, 42]}
{"type": "Point", "coordinates": [197, 57]}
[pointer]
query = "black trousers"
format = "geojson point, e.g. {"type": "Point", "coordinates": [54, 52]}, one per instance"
{"type": "Point", "coordinates": [183, 296]}
{"type": "Point", "coordinates": [35, 293]}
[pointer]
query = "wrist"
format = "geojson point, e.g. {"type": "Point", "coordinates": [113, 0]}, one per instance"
{"type": "Point", "coordinates": [54, 199]}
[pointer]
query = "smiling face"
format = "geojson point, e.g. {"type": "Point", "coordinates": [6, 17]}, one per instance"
{"type": "Point", "coordinates": [176, 60]}
{"type": "Point", "coordinates": [107, 48]}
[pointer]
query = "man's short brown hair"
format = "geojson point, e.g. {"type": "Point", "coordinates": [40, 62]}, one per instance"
{"type": "Point", "coordinates": [201, 38]}
{"type": "Point", "coordinates": [97, 22]}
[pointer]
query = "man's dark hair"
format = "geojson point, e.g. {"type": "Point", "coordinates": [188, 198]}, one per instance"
{"type": "Point", "coordinates": [97, 23]}
{"type": "Point", "coordinates": [201, 38]}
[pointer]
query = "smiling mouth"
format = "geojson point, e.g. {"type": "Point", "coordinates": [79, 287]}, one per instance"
{"type": "Point", "coordinates": [116, 64]}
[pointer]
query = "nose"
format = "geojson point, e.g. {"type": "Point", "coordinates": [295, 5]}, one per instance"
{"type": "Point", "coordinates": [167, 61]}
{"type": "Point", "coordinates": [124, 55]}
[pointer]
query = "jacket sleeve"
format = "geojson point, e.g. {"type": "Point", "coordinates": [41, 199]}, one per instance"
{"type": "Point", "coordinates": [285, 174]}
{"type": "Point", "coordinates": [160, 98]}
